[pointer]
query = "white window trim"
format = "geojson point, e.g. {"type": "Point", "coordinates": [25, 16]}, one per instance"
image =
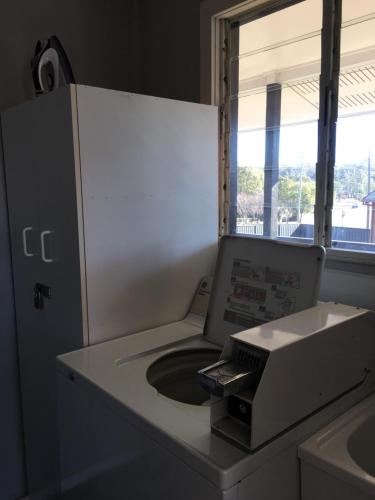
{"type": "Point", "coordinates": [213, 14]}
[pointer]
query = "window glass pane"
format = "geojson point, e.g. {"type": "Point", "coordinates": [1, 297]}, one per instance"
{"type": "Point", "coordinates": [353, 217]}
{"type": "Point", "coordinates": [277, 107]}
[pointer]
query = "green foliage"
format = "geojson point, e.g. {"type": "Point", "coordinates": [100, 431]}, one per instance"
{"type": "Point", "coordinates": [290, 196]}
{"type": "Point", "coordinates": [352, 181]}
{"type": "Point", "coordinates": [250, 180]}
{"type": "Point", "coordinates": [296, 188]}
{"type": "Point", "coordinates": [293, 191]}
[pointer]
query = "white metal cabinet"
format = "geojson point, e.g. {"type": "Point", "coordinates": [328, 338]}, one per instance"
{"type": "Point", "coordinates": [40, 174]}
{"type": "Point", "coordinates": [122, 190]}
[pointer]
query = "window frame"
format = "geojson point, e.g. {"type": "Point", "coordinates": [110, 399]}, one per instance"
{"type": "Point", "coordinates": [220, 26]}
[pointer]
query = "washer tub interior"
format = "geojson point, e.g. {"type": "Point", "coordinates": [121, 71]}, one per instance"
{"type": "Point", "coordinates": [174, 375]}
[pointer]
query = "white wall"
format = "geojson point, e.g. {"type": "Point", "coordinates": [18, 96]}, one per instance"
{"type": "Point", "coordinates": [349, 288]}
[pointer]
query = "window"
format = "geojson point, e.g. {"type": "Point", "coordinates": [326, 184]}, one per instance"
{"type": "Point", "coordinates": [298, 101]}
{"type": "Point", "coordinates": [353, 225]}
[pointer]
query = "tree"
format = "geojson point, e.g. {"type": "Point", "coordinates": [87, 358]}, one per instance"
{"type": "Point", "coordinates": [293, 192]}
{"type": "Point", "coordinates": [290, 197]}
{"type": "Point", "coordinates": [352, 180]}
{"type": "Point", "coordinates": [250, 206]}
{"type": "Point", "coordinates": [250, 180]}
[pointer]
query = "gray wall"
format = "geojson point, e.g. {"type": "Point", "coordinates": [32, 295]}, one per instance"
{"type": "Point", "coordinates": [12, 483]}
{"type": "Point", "coordinates": [97, 35]}
{"type": "Point", "coordinates": [169, 48]}
{"type": "Point", "coordinates": [100, 40]}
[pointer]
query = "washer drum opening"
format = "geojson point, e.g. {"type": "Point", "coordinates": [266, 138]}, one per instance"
{"type": "Point", "coordinates": [175, 374]}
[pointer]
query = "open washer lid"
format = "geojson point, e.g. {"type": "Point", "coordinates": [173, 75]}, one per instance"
{"type": "Point", "coordinates": [259, 280]}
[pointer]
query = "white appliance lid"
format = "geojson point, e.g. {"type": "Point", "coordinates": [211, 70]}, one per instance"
{"type": "Point", "coordinates": [259, 280]}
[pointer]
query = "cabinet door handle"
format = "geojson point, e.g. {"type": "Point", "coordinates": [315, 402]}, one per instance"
{"type": "Point", "coordinates": [26, 252]}
{"type": "Point", "coordinates": [43, 235]}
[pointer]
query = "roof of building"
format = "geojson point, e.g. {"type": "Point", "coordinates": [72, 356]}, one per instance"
{"type": "Point", "coordinates": [370, 198]}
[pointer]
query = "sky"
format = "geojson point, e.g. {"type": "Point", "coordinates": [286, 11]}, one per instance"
{"type": "Point", "coordinates": [298, 143]}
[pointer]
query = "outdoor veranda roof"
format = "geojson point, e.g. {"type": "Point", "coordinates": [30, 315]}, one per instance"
{"type": "Point", "coordinates": [286, 48]}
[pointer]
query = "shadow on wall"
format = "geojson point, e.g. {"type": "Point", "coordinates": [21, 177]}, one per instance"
{"type": "Point", "coordinates": [12, 480]}
{"type": "Point", "coordinates": [170, 53]}
{"type": "Point", "coordinates": [99, 39]}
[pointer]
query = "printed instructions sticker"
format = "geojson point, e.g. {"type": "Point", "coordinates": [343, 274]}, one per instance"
{"type": "Point", "coordinates": [259, 294]}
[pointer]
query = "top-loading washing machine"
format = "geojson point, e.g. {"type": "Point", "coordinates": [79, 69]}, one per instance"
{"type": "Point", "coordinates": [136, 424]}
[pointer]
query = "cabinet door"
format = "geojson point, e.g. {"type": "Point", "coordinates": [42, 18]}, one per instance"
{"type": "Point", "coordinates": [40, 168]}
{"type": "Point", "coordinates": [20, 136]}
{"type": "Point", "coordinates": [59, 202]}
{"type": "Point", "coordinates": [21, 166]}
